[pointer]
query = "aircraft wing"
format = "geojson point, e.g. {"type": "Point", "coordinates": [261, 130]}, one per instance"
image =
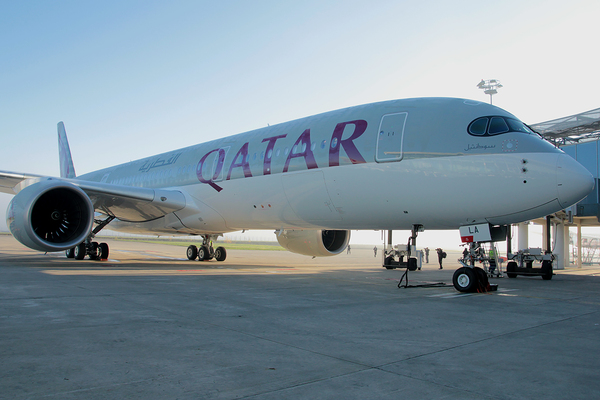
{"type": "Point", "coordinates": [131, 204]}
{"type": "Point", "coordinates": [127, 203]}
{"type": "Point", "coordinates": [9, 180]}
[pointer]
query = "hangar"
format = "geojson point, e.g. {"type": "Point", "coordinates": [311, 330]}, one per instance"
{"type": "Point", "coordinates": [578, 136]}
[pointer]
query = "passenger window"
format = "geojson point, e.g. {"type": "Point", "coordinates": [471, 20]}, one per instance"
{"type": "Point", "coordinates": [497, 125]}
{"type": "Point", "coordinates": [478, 127]}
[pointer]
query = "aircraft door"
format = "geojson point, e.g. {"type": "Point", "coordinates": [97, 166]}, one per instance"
{"type": "Point", "coordinates": [390, 136]}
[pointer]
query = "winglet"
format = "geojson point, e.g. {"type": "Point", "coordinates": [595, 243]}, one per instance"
{"type": "Point", "coordinates": [67, 170]}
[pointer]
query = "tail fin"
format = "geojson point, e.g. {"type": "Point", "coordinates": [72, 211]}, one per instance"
{"type": "Point", "coordinates": [64, 153]}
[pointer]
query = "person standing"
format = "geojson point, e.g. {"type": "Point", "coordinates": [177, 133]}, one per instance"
{"type": "Point", "coordinates": [427, 255]}
{"type": "Point", "coordinates": [441, 256]}
{"type": "Point", "coordinates": [375, 251]}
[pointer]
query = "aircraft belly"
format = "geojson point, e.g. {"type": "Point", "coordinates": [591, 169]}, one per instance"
{"type": "Point", "coordinates": [307, 196]}
{"type": "Point", "coordinates": [199, 217]}
{"type": "Point", "coordinates": [256, 203]}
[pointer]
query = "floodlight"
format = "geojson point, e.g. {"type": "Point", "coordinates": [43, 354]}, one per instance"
{"type": "Point", "coordinates": [489, 87]}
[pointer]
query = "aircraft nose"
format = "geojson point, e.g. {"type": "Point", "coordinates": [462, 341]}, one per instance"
{"type": "Point", "coordinates": [574, 182]}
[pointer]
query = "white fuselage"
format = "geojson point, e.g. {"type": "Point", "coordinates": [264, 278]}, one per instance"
{"type": "Point", "coordinates": [386, 165]}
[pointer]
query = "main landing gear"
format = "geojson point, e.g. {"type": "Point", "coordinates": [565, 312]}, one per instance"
{"type": "Point", "coordinates": [94, 250]}
{"type": "Point", "coordinates": [206, 251]}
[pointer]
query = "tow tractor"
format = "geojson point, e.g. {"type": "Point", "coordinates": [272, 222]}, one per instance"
{"type": "Point", "coordinates": [399, 256]}
{"type": "Point", "coordinates": [522, 263]}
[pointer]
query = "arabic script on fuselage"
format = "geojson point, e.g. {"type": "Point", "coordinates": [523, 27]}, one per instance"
{"type": "Point", "coordinates": [159, 162]}
{"type": "Point", "coordinates": [479, 147]}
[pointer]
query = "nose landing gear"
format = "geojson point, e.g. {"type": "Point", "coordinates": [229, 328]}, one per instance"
{"type": "Point", "coordinates": [470, 278]}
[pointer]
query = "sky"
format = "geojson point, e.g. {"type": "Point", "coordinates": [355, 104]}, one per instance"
{"type": "Point", "coordinates": [135, 78]}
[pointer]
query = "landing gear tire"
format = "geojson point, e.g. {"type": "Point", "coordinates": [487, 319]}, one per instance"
{"type": "Point", "coordinates": [103, 251]}
{"type": "Point", "coordinates": [94, 251]}
{"type": "Point", "coordinates": [464, 279]}
{"type": "Point", "coordinates": [482, 280]}
{"type": "Point", "coordinates": [220, 254]}
{"type": "Point", "coordinates": [203, 253]}
{"type": "Point", "coordinates": [79, 251]}
{"type": "Point", "coordinates": [192, 252]}
{"type": "Point", "coordinates": [388, 262]}
{"type": "Point", "coordinates": [511, 268]}
{"type": "Point", "coordinates": [70, 253]}
{"type": "Point", "coordinates": [547, 270]}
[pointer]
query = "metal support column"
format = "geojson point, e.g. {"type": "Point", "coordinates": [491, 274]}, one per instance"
{"type": "Point", "coordinates": [579, 253]}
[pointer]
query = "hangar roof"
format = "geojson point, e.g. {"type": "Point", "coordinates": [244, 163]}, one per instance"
{"type": "Point", "coordinates": [572, 129]}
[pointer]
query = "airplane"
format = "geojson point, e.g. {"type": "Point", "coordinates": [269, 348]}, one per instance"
{"type": "Point", "coordinates": [420, 163]}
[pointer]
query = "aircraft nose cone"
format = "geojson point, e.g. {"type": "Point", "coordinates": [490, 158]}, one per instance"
{"type": "Point", "coordinates": [574, 182]}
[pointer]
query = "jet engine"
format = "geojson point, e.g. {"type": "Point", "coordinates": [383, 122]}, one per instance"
{"type": "Point", "coordinates": [316, 243]}
{"type": "Point", "coordinates": [50, 215]}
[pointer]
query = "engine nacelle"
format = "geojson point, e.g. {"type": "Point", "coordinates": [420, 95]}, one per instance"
{"type": "Point", "coordinates": [50, 215]}
{"type": "Point", "coordinates": [318, 243]}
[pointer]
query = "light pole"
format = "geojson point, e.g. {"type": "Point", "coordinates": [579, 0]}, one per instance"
{"type": "Point", "coordinates": [490, 87]}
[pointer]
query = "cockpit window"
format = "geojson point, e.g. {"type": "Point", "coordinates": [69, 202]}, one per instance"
{"type": "Point", "coordinates": [478, 127]}
{"type": "Point", "coordinates": [518, 126]}
{"type": "Point", "coordinates": [490, 126]}
{"type": "Point", "coordinates": [497, 126]}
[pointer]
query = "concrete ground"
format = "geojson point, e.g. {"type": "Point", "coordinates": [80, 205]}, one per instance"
{"type": "Point", "coordinates": [148, 324]}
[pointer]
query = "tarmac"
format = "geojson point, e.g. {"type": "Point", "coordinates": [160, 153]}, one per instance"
{"type": "Point", "coordinates": [149, 324]}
